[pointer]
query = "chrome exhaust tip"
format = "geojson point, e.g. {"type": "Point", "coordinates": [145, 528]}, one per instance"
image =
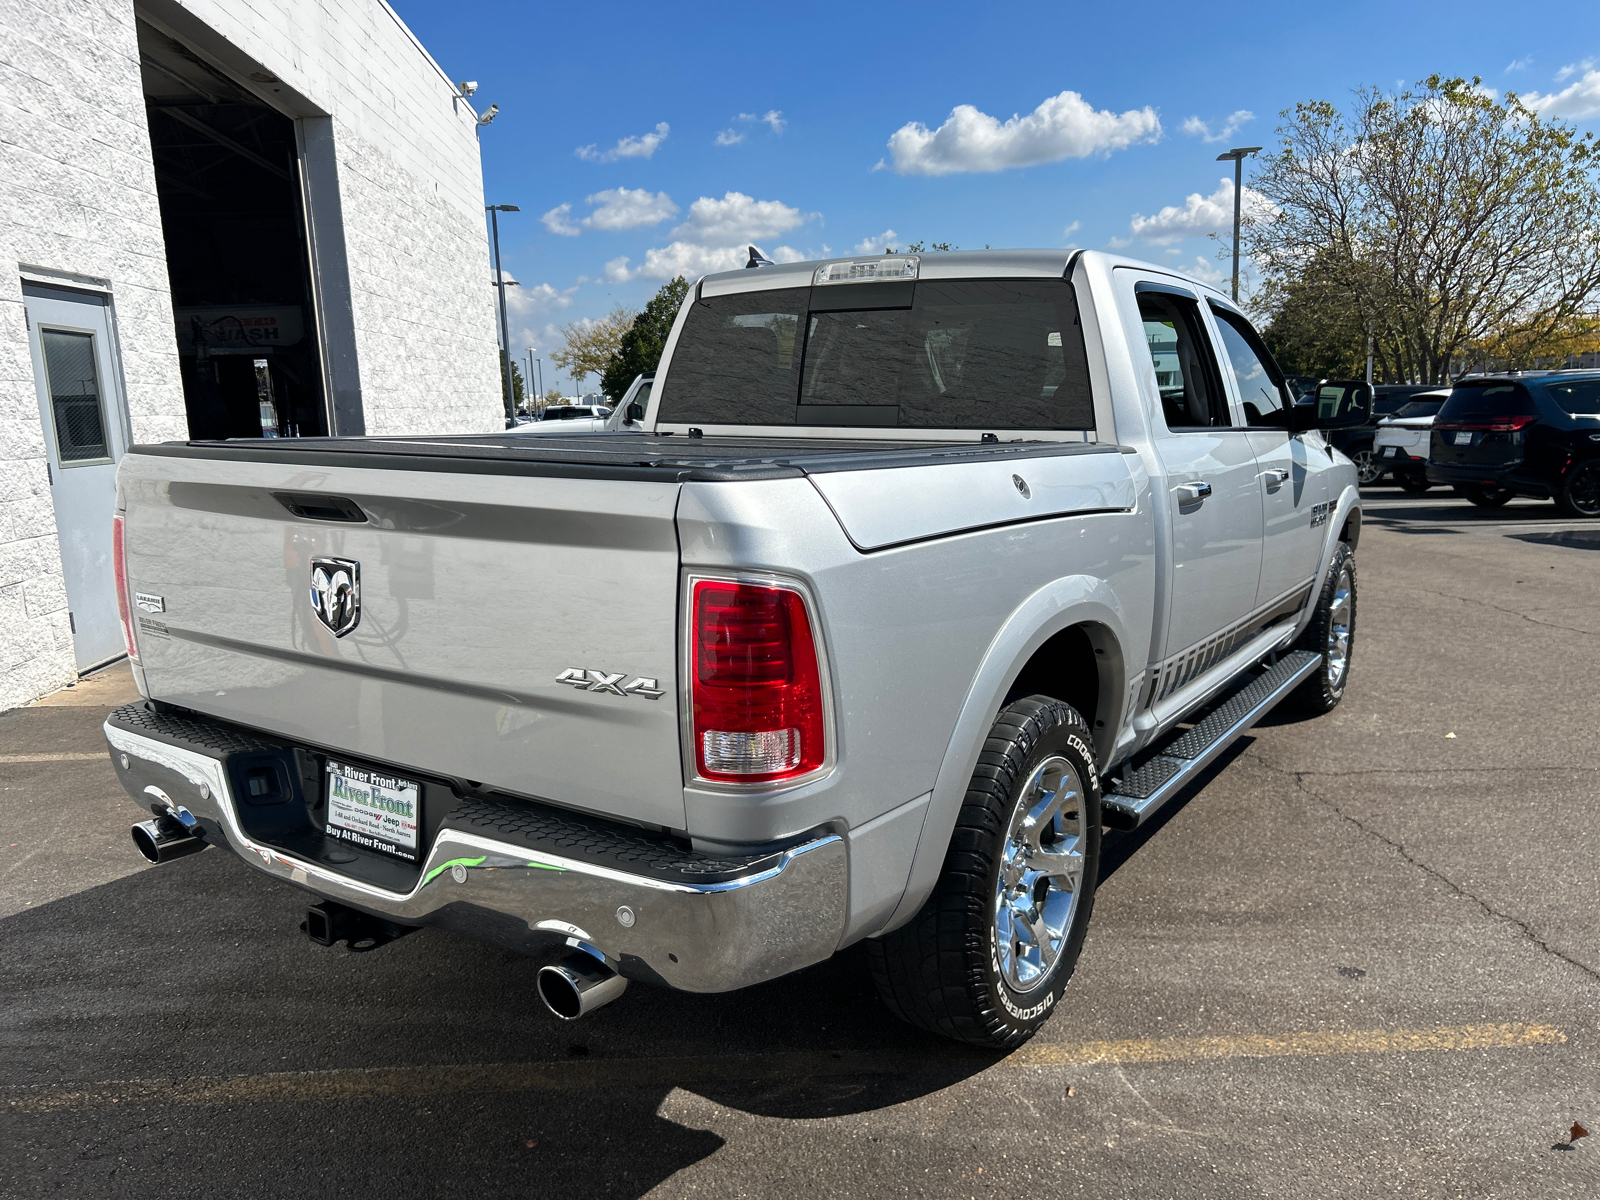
{"type": "Point", "coordinates": [577, 985]}
{"type": "Point", "coordinates": [164, 839]}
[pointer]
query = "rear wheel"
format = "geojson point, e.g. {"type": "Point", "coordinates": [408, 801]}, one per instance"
{"type": "Point", "coordinates": [1580, 494]}
{"type": "Point", "coordinates": [1414, 484]}
{"type": "Point", "coordinates": [1331, 634]}
{"type": "Point", "coordinates": [989, 955]}
{"type": "Point", "coordinates": [1486, 497]}
{"type": "Point", "coordinates": [1368, 467]}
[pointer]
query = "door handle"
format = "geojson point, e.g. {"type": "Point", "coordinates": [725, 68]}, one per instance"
{"type": "Point", "coordinates": [1277, 476]}
{"type": "Point", "coordinates": [1193, 493]}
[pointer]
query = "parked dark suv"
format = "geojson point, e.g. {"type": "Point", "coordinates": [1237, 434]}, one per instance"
{"type": "Point", "coordinates": [1533, 435]}
{"type": "Point", "coordinates": [1387, 399]}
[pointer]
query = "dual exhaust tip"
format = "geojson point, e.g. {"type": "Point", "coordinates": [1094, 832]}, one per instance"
{"type": "Point", "coordinates": [164, 839]}
{"type": "Point", "coordinates": [571, 989]}
{"type": "Point", "coordinates": [577, 985]}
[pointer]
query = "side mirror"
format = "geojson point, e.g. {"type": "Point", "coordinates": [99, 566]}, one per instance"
{"type": "Point", "coordinates": [1336, 404]}
{"type": "Point", "coordinates": [635, 411]}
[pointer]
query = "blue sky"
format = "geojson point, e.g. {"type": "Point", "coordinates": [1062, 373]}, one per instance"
{"type": "Point", "coordinates": [674, 135]}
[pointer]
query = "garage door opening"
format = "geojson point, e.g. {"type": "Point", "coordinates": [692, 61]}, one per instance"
{"type": "Point", "coordinates": [228, 182]}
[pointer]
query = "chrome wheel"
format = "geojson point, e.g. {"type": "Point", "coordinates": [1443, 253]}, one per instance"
{"type": "Point", "coordinates": [1041, 875]}
{"type": "Point", "coordinates": [1341, 614]}
{"type": "Point", "coordinates": [1368, 469]}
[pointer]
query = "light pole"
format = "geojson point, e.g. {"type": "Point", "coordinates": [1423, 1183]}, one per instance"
{"type": "Point", "coordinates": [527, 385]}
{"type": "Point", "coordinates": [494, 211]}
{"type": "Point", "coordinates": [1238, 154]}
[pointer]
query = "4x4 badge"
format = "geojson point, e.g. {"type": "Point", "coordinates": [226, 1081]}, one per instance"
{"type": "Point", "coordinates": [605, 681]}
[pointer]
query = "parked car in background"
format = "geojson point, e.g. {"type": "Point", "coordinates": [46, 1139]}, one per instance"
{"type": "Point", "coordinates": [1387, 400]}
{"type": "Point", "coordinates": [1535, 434]}
{"type": "Point", "coordinates": [1400, 445]}
{"type": "Point", "coordinates": [596, 418]}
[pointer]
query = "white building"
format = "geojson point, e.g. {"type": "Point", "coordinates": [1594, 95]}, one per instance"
{"type": "Point", "coordinates": [204, 203]}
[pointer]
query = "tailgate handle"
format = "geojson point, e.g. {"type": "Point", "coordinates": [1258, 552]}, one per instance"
{"type": "Point", "coordinates": [321, 508]}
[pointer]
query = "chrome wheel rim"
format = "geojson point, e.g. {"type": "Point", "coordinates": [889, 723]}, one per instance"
{"type": "Point", "coordinates": [1041, 876]}
{"type": "Point", "coordinates": [1368, 469]}
{"type": "Point", "coordinates": [1341, 617]}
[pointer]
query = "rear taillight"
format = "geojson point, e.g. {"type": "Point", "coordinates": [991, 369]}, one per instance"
{"type": "Point", "coordinates": [119, 564]}
{"type": "Point", "coordinates": [1491, 424]}
{"type": "Point", "coordinates": [757, 691]}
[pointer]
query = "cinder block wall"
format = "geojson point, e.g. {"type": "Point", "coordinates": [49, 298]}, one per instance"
{"type": "Point", "coordinates": [78, 205]}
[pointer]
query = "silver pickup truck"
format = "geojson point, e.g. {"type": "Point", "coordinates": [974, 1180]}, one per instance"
{"type": "Point", "coordinates": [917, 573]}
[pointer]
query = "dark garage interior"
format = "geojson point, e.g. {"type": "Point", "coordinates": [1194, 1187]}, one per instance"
{"type": "Point", "coordinates": [227, 177]}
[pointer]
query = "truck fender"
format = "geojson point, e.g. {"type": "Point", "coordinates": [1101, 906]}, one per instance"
{"type": "Point", "coordinates": [1349, 502]}
{"type": "Point", "coordinates": [1061, 604]}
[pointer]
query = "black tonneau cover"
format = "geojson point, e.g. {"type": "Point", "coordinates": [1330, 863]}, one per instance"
{"type": "Point", "coordinates": [644, 456]}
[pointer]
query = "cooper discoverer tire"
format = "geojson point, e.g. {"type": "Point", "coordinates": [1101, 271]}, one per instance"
{"type": "Point", "coordinates": [1331, 634]}
{"type": "Point", "coordinates": [987, 958]}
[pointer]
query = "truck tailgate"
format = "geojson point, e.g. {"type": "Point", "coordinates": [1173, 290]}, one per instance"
{"type": "Point", "coordinates": [476, 592]}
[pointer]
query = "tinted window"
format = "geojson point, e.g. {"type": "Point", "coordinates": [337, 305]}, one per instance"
{"type": "Point", "coordinates": [957, 354]}
{"type": "Point", "coordinates": [1577, 396]}
{"type": "Point", "coordinates": [1477, 401]}
{"type": "Point", "coordinates": [1186, 374]}
{"type": "Point", "coordinates": [1261, 386]}
{"type": "Point", "coordinates": [737, 362]}
{"type": "Point", "coordinates": [1420, 408]}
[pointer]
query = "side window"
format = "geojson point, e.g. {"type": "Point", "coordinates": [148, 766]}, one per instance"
{"type": "Point", "coordinates": [1260, 383]}
{"type": "Point", "coordinates": [1186, 372]}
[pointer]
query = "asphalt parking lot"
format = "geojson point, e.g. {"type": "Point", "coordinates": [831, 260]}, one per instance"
{"type": "Point", "coordinates": [1361, 958]}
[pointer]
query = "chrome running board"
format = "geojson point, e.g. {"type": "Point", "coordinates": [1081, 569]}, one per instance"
{"type": "Point", "coordinates": [1157, 776]}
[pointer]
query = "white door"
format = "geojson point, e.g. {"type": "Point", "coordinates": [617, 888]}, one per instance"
{"type": "Point", "coordinates": [1212, 499]}
{"type": "Point", "coordinates": [1293, 468]}
{"type": "Point", "coordinates": [80, 406]}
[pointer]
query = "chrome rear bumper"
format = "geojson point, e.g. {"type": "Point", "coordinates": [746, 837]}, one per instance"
{"type": "Point", "coordinates": [699, 937]}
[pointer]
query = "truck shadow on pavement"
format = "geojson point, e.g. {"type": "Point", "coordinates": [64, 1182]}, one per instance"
{"type": "Point", "coordinates": [174, 1032]}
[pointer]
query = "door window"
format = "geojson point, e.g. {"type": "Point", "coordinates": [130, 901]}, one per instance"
{"type": "Point", "coordinates": [1261, 387]}
{"type": "Point", "coordinates": [75, 403]}
{"type": "Point", "coordinates": [1186, 372]}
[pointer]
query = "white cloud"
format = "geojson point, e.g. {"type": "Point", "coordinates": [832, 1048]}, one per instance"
{"type": "Point", "coordinates": [622, 208]}
{"type": "Point", "coordinates": [729, 137]}
{"type": "Point", "coordinates": [615, 208]}
{"type": "Point", "coordinates": [1208, 271]}
{"type": "Point", "coordinates": [691, 260]}
{"type": "Point", "coordinates": [1072, 229]}
{"type": "Point", "coordinates": [1231, 125]}
{"type": "Point", "coordinates": [1119, 243]}
{"type": "Point", "coordinates": [1199, 215]}
{"type": "Point", "coordinates": [736, 217]}
{"type": "Point", "coordinates": [1520, 64]}
{"type": "Point", "coordinates": [1572, 69]}
{"type": "Point", "coordinates": [772, 117]}
{"type": "Point", "coordinates": [556, 221]}
{"type": "Point", "coordinates": [523, 302]}
{"type": "Point", "coordinates": [642, 146]}
{"type": "Point", "coordinates": [1064, 126]}
{"type": "Point", "coordinates": [1576, 101]}
{"type": "Point", "coordinates": [876, 245]}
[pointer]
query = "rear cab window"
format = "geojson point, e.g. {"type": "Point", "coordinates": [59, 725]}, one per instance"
{"type": "Point", "coordinates": [970, 354]}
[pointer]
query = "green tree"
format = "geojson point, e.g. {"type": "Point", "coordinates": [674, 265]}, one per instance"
{"type": "Point", "coordinates": [517, 389]}
{"type": "Point", "coordinates": [639, 349]}
{"type": "Point", "coordinates": [1451, 224]}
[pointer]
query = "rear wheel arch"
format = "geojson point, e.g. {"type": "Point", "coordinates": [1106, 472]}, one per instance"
{"type": "Point", "coordinates": [1082, 666]}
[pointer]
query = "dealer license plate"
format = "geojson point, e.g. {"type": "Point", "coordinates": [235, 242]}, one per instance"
{"type": "Point", "coordinates": [373, 810]}
{"type": "Point", "coordinates": [1463, 438]}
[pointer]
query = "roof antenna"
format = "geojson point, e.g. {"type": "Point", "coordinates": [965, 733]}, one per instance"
{"type": "Point", "coordinates": [758, 259]}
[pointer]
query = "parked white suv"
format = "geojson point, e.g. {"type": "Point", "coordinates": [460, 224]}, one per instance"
{"type": "Point", "coordinates": [1401, 443]}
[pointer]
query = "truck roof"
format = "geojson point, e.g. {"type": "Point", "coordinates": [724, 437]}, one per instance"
{"type": "Point", "coordinates": [945, 264]}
